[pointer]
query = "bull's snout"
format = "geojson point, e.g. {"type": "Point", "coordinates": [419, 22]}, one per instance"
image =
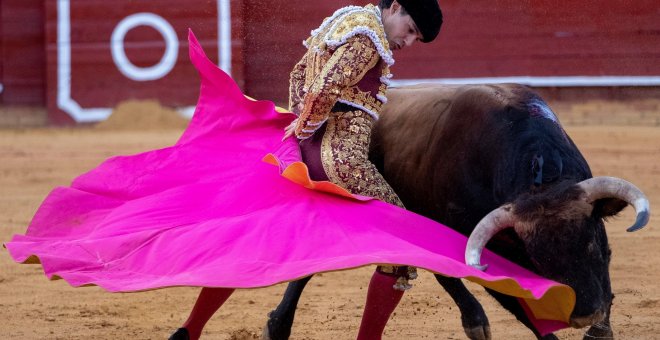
{"type": "Point", "coordinates": [584, 321]}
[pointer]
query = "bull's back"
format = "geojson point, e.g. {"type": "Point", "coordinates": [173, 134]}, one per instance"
{"type": "Point", "coordinates": [428, 136]}
{"type": "Point", "coordinates": [416, 114]}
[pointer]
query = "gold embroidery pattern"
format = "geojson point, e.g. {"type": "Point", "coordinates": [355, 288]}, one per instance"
{"type": "Point", "coordinates": [366, 100]}
{"type": "Point", "coordinates": [296, 85]}
{"type": "Point", "coordinates": [346, 66]}
{"type": "Point", "coordinates": [344, 154]}
{"type": "Point", "coordinates": [382, 90]}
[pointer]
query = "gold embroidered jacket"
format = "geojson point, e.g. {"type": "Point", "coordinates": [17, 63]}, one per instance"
{"type": "Point", "coordinates": [347, 46]}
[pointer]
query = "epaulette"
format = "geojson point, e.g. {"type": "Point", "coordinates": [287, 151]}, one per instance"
{"type": "Point", "coordinates": [347, 22]}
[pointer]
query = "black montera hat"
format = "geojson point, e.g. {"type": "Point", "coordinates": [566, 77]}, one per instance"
{"type": "Point", "coordinates": [427, 16]}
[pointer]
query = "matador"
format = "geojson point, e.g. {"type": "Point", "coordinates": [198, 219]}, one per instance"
{"type": "Point", "coordinates": [337, 90]}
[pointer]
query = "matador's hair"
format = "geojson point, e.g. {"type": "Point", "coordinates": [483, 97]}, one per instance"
{"type": "Point", "coordinates": [426, 14]}
{"type": "Point", "coordinates": [384, 4]}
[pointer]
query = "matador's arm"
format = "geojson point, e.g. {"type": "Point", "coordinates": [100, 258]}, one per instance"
{"type": "Point", "coordinates": [346, 67]}
{"type": "Point", "coordinates": [296, 84]}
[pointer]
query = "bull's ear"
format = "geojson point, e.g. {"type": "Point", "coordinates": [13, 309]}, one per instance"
{"type": "Point", "coordinates": [606, 207]}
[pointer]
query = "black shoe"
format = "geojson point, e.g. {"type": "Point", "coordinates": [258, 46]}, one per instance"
{"type": "Point", "coordinates": [180, 334]}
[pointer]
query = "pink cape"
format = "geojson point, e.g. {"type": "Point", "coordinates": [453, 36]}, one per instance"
{"type": "Point", "coordinates": [208, 211]}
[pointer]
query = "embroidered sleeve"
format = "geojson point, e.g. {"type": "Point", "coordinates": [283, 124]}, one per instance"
{"type": "Point", "coordinates": [296, 84]}
{"type": "Point", "coordinates": [346, 67]}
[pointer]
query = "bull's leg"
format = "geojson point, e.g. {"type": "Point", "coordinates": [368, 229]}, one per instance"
{"type": "Point", "coordinates": [473, 317]}
{"type": "Point", "coordinates": [280, 320]}
{"type": "Point", "coordinates": [601, 330]}
{"type": "Point", "coordinates": [513, 306]}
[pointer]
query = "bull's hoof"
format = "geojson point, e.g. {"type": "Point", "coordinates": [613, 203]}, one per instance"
{"type": "Point", "coordinates": [180, 334]}
{"type": "Point", "coordinates": [478, 333]}
{"type": "Point", "coordinates": [549, 337]}
{"type": "Point", "coordinates": [475, 323]}
{"type": "Point", "coordinates": [277, 328]}
{"type": "Point", "coordinates": [599, 331]}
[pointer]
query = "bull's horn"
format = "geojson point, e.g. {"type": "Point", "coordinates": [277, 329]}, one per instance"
{"type": "Point", "coordinates": [496, 220]}
{"type": "Point", "coordinates": [612, 187]}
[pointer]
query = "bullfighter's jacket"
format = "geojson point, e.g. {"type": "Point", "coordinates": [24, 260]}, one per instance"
{"type": "Point", "coordinates": [348, 61]}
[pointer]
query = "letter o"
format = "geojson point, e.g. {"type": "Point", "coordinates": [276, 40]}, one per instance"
{"type": "Point", "coordinates": [165, 64]}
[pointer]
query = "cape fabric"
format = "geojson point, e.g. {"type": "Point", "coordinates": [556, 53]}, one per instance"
{"type": "Point", "coordinates": [213, 211]}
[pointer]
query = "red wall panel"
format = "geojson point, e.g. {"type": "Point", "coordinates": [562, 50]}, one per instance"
{"type": "Point", "coordinates": [479, 39]}
{"type": "Point", "coordinates": [496, 38]}
{"type": "Point", "coordinates": [541, 38]}
{"type": "Point", "coordinates": [273, 41]}
{"type": "Point", "coordinates": [22, 54]}
{"type": "Point", "coordinates": [2, 58]}
{"type": "Point", "coordinates": [96, 79]}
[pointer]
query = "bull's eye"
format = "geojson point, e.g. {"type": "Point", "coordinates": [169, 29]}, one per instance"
{"type": "Point", "coordinates": [537, 170]}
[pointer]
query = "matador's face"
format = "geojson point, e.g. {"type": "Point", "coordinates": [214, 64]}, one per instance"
{"type": "Point", "coordinates": [400, 28]}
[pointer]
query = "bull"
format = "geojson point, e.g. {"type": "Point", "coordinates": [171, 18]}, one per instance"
{"type": "Point", "coordinates": [494, 163]}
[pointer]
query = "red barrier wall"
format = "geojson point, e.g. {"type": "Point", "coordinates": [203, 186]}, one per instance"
{"type": "Point", "coordinates": [479, 38]}
{"type": "Point", "coordinates": [99, 79]}
{"type": "Point", "coordinates": [497, 38]}
{"type": "Point", "coordinates": [22, 52]}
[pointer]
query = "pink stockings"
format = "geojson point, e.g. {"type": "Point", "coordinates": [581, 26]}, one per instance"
{"type": "Point", "coordinates": [382, 299]}
{"type": "Point", "coordinates": [208, 302]}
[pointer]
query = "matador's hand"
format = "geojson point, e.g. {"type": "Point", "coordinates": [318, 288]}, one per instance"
{"type": "Point", "coordinates": [290, 129]}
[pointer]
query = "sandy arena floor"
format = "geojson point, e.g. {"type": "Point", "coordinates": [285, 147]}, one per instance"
{"type": "Point", "coordinates": [33, 161]}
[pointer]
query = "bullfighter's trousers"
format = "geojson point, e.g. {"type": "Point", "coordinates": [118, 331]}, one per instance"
{"type": "Point", "coordinates": [339, 152]}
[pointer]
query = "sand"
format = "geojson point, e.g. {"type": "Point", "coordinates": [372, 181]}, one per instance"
{"type": "Point", "coordinates": [33, 161]}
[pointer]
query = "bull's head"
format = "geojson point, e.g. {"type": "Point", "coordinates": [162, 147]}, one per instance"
{"type": "Point", "coordinates": [564, 235]}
